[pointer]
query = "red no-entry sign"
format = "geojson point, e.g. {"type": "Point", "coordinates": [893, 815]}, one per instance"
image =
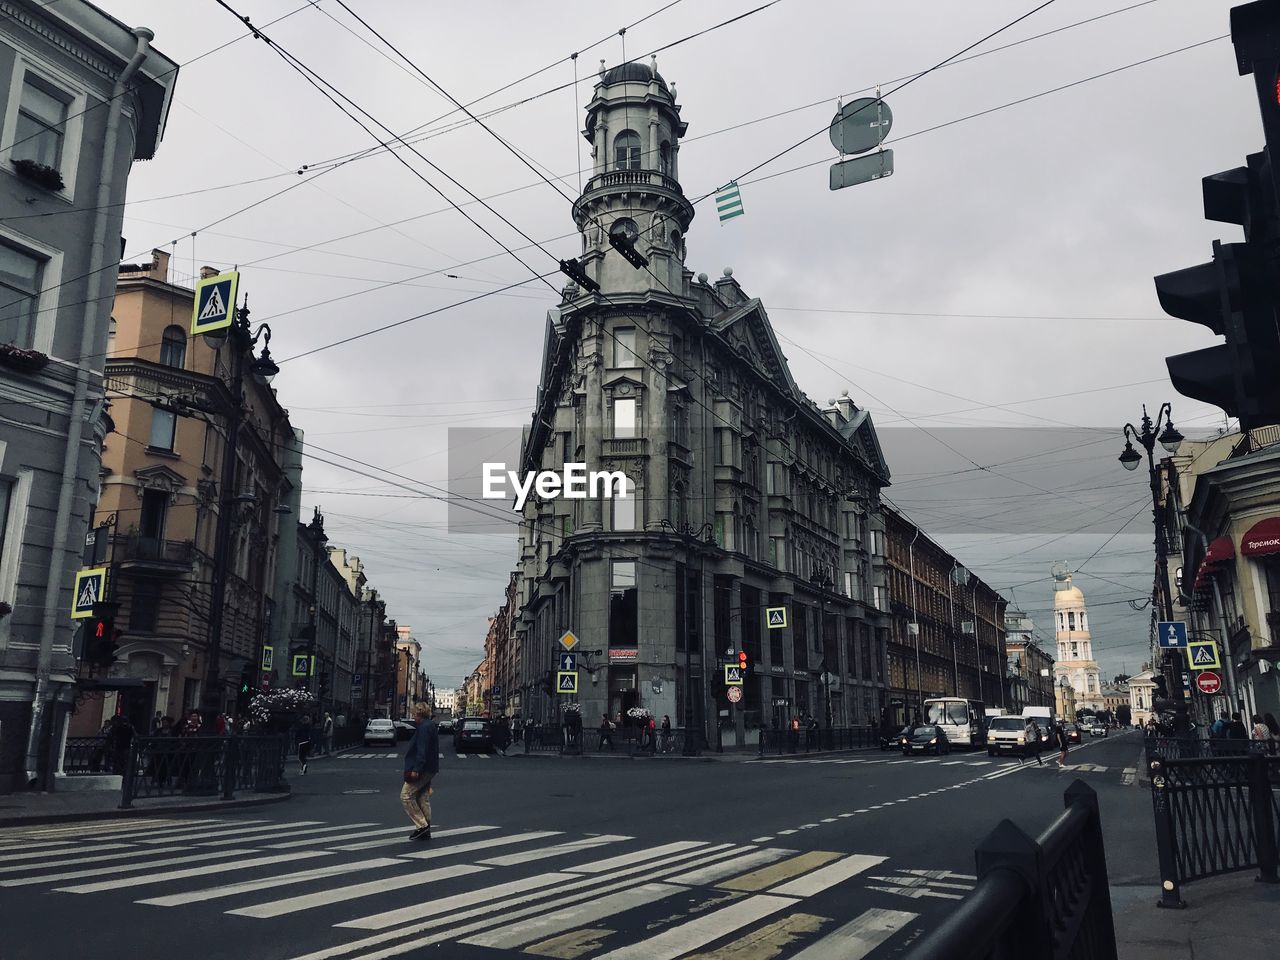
{"type": "Point", "coordinates": [1208, 682]}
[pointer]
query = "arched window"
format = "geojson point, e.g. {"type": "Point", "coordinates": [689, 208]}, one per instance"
{"type": "Point", "coordinates": [626, 151]}
{"type": "Point", "coordinates": [1071, 620]}
{"type": "Point", "coordinates": [173, 347]}
{"type": "Point", "coordinates": [111, 334]}
{"type": "Point", "coordinates": [664, 157]}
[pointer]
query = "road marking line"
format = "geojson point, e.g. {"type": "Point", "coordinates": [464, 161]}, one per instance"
{"type": "Point", "coordinates": [907, 760]}
{"type": "Point", "coordinates": [949, 763]}
{"type": "Point", "coordinates": [761, 839]}
{"type": "Point", "coordinates": [511, 936]}
{"type": "Point", "coordinates": [116, 829]}
{"type": "Point", "coordinates": [779, 872]}
{"type": "Point", "coordinates": [787, 833]}
{"type": "Point", "coordinates": [242, 831]}
{"type": "Point", "coordinates": [419, 911]}
{"type": "Point", "coordinates": [705, 876]}
{"type": "Point", "coordinates": [820, 880]}
{"type": "Point", "coordinates": [55, 862]}
{"type": "Point", "coordinates": [457, 848]}
{"type": "Point", "coordinates": [768, 942]}
{"type": "Point", "coordinates": [979, 763]}
{"type": "Point", "coordinates": [401, 835]}
{"type": "Point", "coordinates": [857, 938]}
{"type": "Point", "coordinates": [629, 859]}
{"type": "Point", "coordinates": [321, 898]}
{"type": "Point", "coordinates": [116, 868]}
{"type": "Point", "coordinates": [692, 934]}
{"type": "Point", "coordinates": [266, 883]}
{"type": "Point", "coordinates": [290, 833]}
{"type": "Point", "coordinates": [541, 853]}
{"type": "Point", "coordinates": [116, 883]}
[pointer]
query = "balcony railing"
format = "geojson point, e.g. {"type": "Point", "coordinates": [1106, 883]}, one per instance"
{"type": "Point", "coordinates": [626, 447]}
{"type": "Point", "coordinates": [618, 178]}
{"type": "Point", "coordinates": [151, 551]}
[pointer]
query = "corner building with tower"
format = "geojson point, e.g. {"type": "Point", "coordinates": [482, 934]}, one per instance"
{"type": "Point", "coordinates": [741, 492]}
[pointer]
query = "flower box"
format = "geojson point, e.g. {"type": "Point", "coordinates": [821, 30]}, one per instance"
{"type": "Point", "coordinates": [48, 177]}
{"type": "Point", "coordinates": [26, 361]}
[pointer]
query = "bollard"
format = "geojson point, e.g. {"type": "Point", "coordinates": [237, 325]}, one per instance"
{"type": "Point", "coordinates": [1095, 860]}
{"type": "Point", "coordinates": [1170, 894]}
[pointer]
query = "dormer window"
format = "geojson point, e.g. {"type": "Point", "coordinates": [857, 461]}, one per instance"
{"type": "Point", "coordinates": [626, 151]}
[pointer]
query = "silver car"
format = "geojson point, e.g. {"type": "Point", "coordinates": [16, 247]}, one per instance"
{"type": "Point", "coordinates": [381, 732]}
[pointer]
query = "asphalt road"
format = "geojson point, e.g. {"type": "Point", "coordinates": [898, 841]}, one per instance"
{"type": "Point", "coordinates": [843, 857]}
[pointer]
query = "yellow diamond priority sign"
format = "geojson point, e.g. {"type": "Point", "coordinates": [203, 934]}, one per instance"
{"type": "Point", "coordinates": [568, 640]}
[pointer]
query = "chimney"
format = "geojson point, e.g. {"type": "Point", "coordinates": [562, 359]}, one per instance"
{"type": "Point", "coordinates": [207, 272]}
{"type": "Point", "coordinates": [159, 269]}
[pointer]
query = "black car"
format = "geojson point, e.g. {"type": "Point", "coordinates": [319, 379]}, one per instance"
{"type": "Point", "coordinates": [405, 727]}
{"type": "Point", "coordinates": [925, 739]}
{"type": "Point", "coordinates": [474, 734]}
{"type": "Point", "coordinates": [1073, 732]}
{"type": "Point", "coordinates": [894, 741]}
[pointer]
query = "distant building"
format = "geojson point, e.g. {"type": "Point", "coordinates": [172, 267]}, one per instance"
{"type": "Point", "coordinates": [1075, 644]}
{"type": "Point", "coordinates": [1114, 695]}
{"type": "Point", "coordinates": [1065, 705]}
{"type": "Point", "coordinates": [1030, 666]}
{"type": "Point", "coordinates": [447, 702]}
{"type": "Point", "coordinates": [1142, 688]}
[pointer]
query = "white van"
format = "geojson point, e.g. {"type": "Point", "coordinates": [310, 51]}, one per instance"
{"type": "Point", "coordinates": [1043, 717]}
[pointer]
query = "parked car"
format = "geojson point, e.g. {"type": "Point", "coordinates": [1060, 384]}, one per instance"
{"type": "Point", "coordinates": [404, 728]}
{"type": "Point", "coordinates": [895, 741]}
{"type": "Point", "coordinates": [444, 724]}
{"type": "Point", "coordinates": [1073, 732]}
{"type": "Point", "coordinates": [1008, 735]}
{"type": "Point", "coordinates": [926, 739]}
{"type": "Point", "coordinates": [475, 734]}
{"type": "Point", "coordinates": [381, 732]}
{"type": "Point", "coordinates": [1098, 730]}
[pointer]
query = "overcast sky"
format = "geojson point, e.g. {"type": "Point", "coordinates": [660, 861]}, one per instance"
{"type": "Point", "coordinates": [1008, 259]}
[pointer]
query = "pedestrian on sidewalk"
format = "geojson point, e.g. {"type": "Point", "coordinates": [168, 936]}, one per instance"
{"type": "Point", "coordinates": [1064, 743]}
{"type": "Point", "coordinates": [302, 737]}
{"type": "Point", "coordinates": [666, 734]}
{"type": "Point", "coordinates": [328, 733]}
{"type": "Point", "coordinates": [1260, 730]}
{"type": "Point", "coordinates": [1274, 728]}
{"type": "Point", "coordinates": [606, 732]}
{"type": "Point", "coordinates": [421, 764]}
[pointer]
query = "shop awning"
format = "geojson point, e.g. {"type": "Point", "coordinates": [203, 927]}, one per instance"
{"type": "Point", "coordinates": [1262, 539]}
{"type": "Point", "coordinates": [1219, 550]}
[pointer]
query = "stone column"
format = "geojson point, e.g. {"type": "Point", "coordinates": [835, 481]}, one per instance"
{"type": "Point", "coordinates": [658, 417]}
{"type": "Point", "coordinates": [602, 148]}
{"type": "Point", "coordinates": [591, 367]}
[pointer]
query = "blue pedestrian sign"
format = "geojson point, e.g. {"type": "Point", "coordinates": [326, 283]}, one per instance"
{"type": "Point", "coordinates": [215, 304]}
{"type": "Point", "coordinates": [1172, 634]}
{"type": "Point", "coordinates": [568, 662]}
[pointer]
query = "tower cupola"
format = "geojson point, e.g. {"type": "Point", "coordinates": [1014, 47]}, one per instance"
{"type": "Point", "coordinates": [633, 125]}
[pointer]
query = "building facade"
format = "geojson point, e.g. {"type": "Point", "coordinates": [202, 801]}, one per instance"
{"type": "Point", "coordinates": [411, 680]}
{"type": "Point", "coordinates": [739, 493]}
{"type": "Point", "coordinates": [1142, 691]}
{"type": "Point", "coordinates": [1030, 666]}
{"type": "Point", "coordinates": [63, 171]}
{"type": "Point", "coordinates": [1075, 644]}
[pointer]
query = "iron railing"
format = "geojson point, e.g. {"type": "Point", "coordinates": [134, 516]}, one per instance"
{"type": "Point", "coordinates": [821, 738]}
{"type": "Point", "coordinates": [1045, 898]}
{"type": "Point", "coordinates": [201, 766]}
{"type": "Point", "coordinates": [1214, 815]}
{"type": "Point", "coordinates": [1182, 747]}
{"type": "Point", "coordinates": [632, 741]}
{"type": "Point", "coordinates": [89, 755]}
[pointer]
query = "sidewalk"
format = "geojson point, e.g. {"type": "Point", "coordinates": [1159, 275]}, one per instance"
{"type": "Point", "coordinates": [1227, 918]}
{"type": "Point", "coordinates": [30, 809]}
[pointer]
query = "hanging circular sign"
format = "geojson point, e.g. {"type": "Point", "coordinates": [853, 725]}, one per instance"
{"type": "Point", "coordinates": [734, 694]}
{"type": "Point", "coordinates": [861, 125]}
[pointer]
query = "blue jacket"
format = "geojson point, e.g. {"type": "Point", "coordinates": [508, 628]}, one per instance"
{"type": "Point", "coordinates": [423, 754]}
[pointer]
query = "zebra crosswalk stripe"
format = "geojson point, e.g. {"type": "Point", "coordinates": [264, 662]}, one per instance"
{"type": "Point", "coordinates": [251, 886]}
{"type": "Point", "coordinates": [857, 938]}
{"type": "Point", "coordinates": [321, 898]}
{"type": "Point", "coordinates": [116, 883]}
{"type": "Point", "coordinates": [692, 934]}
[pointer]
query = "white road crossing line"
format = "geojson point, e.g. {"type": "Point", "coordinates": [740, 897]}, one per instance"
{"type": "Point", "coordinates": [54, 854]}
{"type": "Point", "coordinates": [761, 839]}
{"type": "Point", "coordinates": [857, 938]}
{"type": "Point", "coordinates": [162, 829]}
{"type": "Point", "coordinates": [454, 849]}
{"type": "Point", "coordinates": [290, 833]}
{"type": "Point", "coordinates": [511, 936]}
{"type": "Point", "coordinates": [208, 869]}
{"type": "Point", "coordinates": [118, 868]}
{"type": "Point", "coordinates": [979, 763]}
{"type": "Point", "coordinates": [828, 876]}
{"type": "Point", "coordinates": [400, 834]}
{"type": "Point", "coordinates": [250, 886]}
{"type": "Point", "coordinates": [787, 833]}
{"type": "Point", "coordinates": [692, 934]}
{"type": "Point", "coordinates": [95, 858]}
{"type": "Point", "coordinates": [949, 763]}
{"type": "Point", "coordinates": [559, 849]}
{"type": "Point", "coordinates": [905, 760]}
{"type": "Point", "coordinates": [419, 911]}
{"type": "Point", "coordinates": [630, 859]}
{"type": "Point", "coordinates": [704, 876]}
{"type": "Point", "coordinates": [97, 827]}
{"type": "Point", "coordinates": [321, 898]}
{"type": "Point", "coordinates": [242, 831]}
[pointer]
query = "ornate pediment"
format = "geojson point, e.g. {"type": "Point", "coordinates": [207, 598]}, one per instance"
{"type": "Point", "coordinates": [160, 478]}
{"type": "Point", "coordinates": [748, 331]}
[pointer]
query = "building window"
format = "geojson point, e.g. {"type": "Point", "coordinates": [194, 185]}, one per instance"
{"type": "Point", "coordinates": [799, 638]}
{"type": "Point", "coordinates": [6, 489]}
{"type": "Point", "coordinates": [155, 506]}
{"type": "Point", "coordinates": [623, 597]}
{"type": "Point", "coordinates": [624, 507]}
{"type": "Point", "coordinates": [778, 553]}
{"type": "Point", "coordinates": [626, 151]}
{"type": "Point", "coordinates": [144, 610]}
{"type": "Point", "coordinates": [664, 157]}
{"type": "Point", "coordinates": [19, 295]}
{"type": "Point", "coordinates": [173, 347]}
{"type": "Point", "coordinates": [111, 335]}
{"type": "Point", "coordinates": [164, 423]}
{"type": "Point", "coordinates": [624, 417]}
{"type": "Point", "coordinates": [624, 347]}
{"type": "Point", "coordinates": [42, 115]}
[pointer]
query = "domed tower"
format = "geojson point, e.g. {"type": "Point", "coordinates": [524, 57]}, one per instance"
{"type": "Point", "coordinates": [634, 128]}
{"type": "Point", "coordinates": [1075, 642]}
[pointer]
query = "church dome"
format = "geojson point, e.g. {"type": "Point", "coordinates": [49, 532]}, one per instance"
{"type": "Point", "coordinates": [632, 72]}
{"type": "Point", "coordinates": [1070, 597]}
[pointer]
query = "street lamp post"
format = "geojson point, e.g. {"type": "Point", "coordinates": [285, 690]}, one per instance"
{"type": "Point", "coordinates": [242, 341]}
{"type": "Point", "coordinates": [1147, 437]}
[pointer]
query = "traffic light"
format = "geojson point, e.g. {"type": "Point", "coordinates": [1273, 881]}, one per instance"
{"type": "Point", "coordinates": [1236, 295]}
{"type": "Point", "coordinates": [742, 660]}
{"type": "Point", "coordinates": [100, 638]}
{"type": "Point", "coordinates": [245, 691]}
{"type": "Point", "coordinates": [626, 246]}
{"type": "Point", "coordinates": [574, 270]}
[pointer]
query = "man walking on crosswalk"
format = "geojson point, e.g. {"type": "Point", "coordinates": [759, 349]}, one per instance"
{"type": "Point", "coordinates": [421, 764]}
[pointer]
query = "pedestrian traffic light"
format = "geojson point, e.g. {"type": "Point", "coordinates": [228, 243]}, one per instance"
{"type": "Point", "coordinates": [742, 659]}
{"type": "Point", "coordinates": [245, 691]}
{"type": "Point", "coordinates": [100, 636]}
{"type": "Point", "coordinates": [1235, 295]}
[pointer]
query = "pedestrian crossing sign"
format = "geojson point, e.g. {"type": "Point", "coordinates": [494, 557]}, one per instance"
{"type": "Point", "coordinates": [775, 618]}
{"type": "Point", "coordinates": [301, 663]}
{"type": "Point", "coordinates": [268, 656]}
{"type": "Point", "coordinates": [732, 675]}
{"type": "Point", "coordinates": [566, 682]}
{"type": "Point", "coordinates": [215, 304]}
{"type": "Point", "coordinates": [90, 590]}
{"type": "Point", "coordinates": [1203, 655]}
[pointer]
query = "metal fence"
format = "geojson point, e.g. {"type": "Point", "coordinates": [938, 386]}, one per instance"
{"type": "Point", "coordinates": [1214, 814]}
{"type": "Point", "coordinates": [820, 738]}
{"type": "Point", "coordinates": [201, 766]}
{"type": "Point", "coordinates": [90, 755]}
{"type": "Point", "coordinates": [1044, 898]}
{"type": "Point", "coordinates": [1178, 747]}
{"type": "Point", "coordinates": [633, 741]}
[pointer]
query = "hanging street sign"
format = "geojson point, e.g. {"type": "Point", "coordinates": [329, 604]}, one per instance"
{"type": "Point", "coordinates": [1208, 682]}
{"type": "Point", "coordinates": [861, 125]}
{"type": "Point", "coordinates": [215, 304]}
{"type": "Point", "coordinates": [732, 675]}
{"type": "Point", "coordinates": [566, 682]}
{"type": "Point", "coordinates": [301, 662]}
{"type": "Point", "coordinates": [1172, 634]}
{"type": "Point", "coordinates": [268, 657]}
{"type": "Point", "coordinates": [734, 694]}
{"type": "Point", "coordinates": [1203, 655]}
{"type": "Point", "coordinates": [90, 590]}
{"type": "Point", "coordinates": [775, 618]}
{"type": "Point", "coordinates": [850, 173]}
{"type": "Point", "coordinates": [729, 201]}
{"type": "Point", "coordinates": [568, 640]}
{"type": "Point", "coordinates": [568, 663]}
